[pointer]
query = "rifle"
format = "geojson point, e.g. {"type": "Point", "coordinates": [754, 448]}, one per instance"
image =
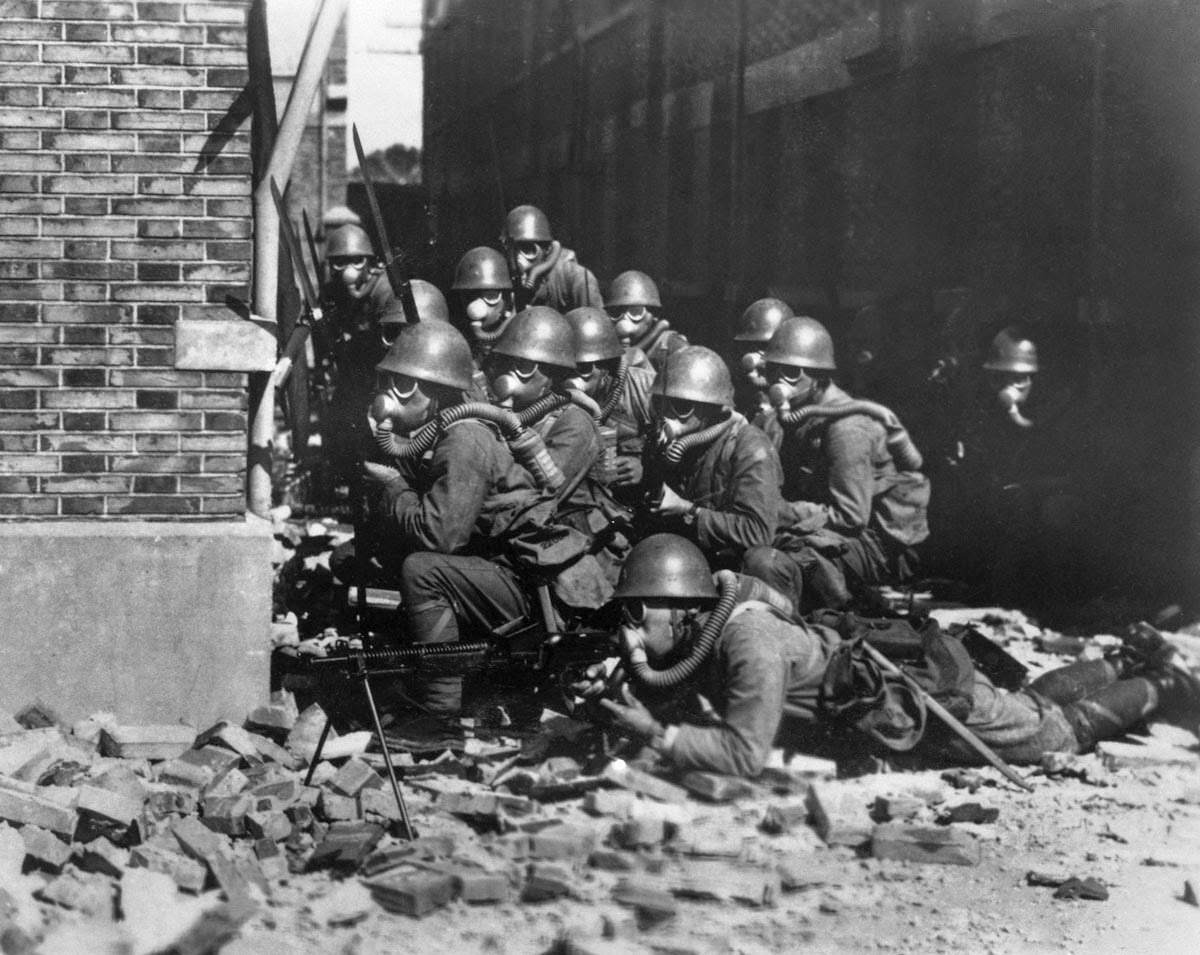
{"type": "Point", "coordinates": [399, 282]}
{"type": "Point", "coordinates": [312, 305]}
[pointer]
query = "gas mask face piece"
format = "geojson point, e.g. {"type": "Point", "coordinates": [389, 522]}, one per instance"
{"type": "Point", "coordinates": [677, 417]}
{"type": "Point", "coordinates": [655, 626]}
{"type": "Point", "coordinates": [1013, 388]}
{"type": "Point", "coordinates": [790, 385]}
{"type": "Point", "coordinates": [516, 382]}
{"type": "Point", "coordinates": [400, 401]}
{"type": "Point", "coordinates": [631, 322]}
{"type": "Point", "coordinates": [486, 308]}
{"type": "Point", "coordinates": [354, 273]}
{"type": "Point", "coordinates": [527, 254]}
{"type": "Point", "coordinates": [589, 378]}
{"type": "Point", "coordinates": [753, 365]}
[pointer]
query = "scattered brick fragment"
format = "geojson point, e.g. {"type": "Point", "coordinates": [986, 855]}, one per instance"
{"type": "Point", "coordinates": [888, 808]}
{"type": "Point", "coordinates": [1189, 894]}
{"type": "Point", "coordinates": [31, 810]}
{"type": "Point", "coordinates": [345, 846]}
{"type": "Point", "coordinates": [84, 892]}
{"type": "Point", "coordinates": [354, 776]}
{"type": "Point", "coordinates": [717, 788]}
{"type": "Point", "coordinates": [187, 873]}
{"type": "Point", "coordinates": [838, 814]}
{"type": "Point", "coordinates": [722, 882]}
{"type": "Point", "coordinates": [1120, 755]}
{"type": "Point", "coordinates": [546, 881]}
{"type": "Point", "coordinates": [783, 817]}
{"type": "Point", "coordinates": [1090, 889]}
{"type": "Point", "coordinates": [651, 901]}
{"type": "Point", "coordinates": [107, 805]}
{"type": "Point", "coordinates": [45, 848]}
{"type": "Point", "coordinates": [968, 812]}
{"type": "Point", "coordinates": [100, 855]}
{"type": "Point", "coordinates": [414, 893]}
{"type": "Point", "coordinates": [147, 742]}
{"type": "Point", "coordinates": [37, 715]}
{"type": "Point", "coordinates": [634, 780]}
{"type": "Point", "coordinates": [637, 833]}
{"type": "Point", "coordinates": [924, 844]}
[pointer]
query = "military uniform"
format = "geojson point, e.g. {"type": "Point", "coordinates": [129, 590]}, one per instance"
{"type": "Point", "coordinates": [568, 285]}
{"type": "Point", "coordinates": [851, 516]}
{"type": "Point", "coordinates": [734, 481]}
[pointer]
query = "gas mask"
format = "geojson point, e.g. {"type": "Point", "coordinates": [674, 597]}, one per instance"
{"type": "Point", "coordinates": [790, 386]}
{"type": "Point", "coordinates": [389, 332]}
{"type": "Point", "coordinates": [631, 321]}
{"type": "Point", "coordinates": [401, 403]}
{"type": "Point", "coordinates": [676, 417]}
{"type": "Point", "coordinates": [355, 274]}
{"type": "Point", "coordinates": [525, 255]}
{"type": "Point", "coordinates": [486, 309]}
{"type": "Point", "coordinates": [1013, 391]}
{"type": "Point", "coordinates": [753, 364]}
{"type": "Point", "coordinates": [590, 378]}
{"type": "Point", "coordinates": [516, 382]}
{"type": "Point", "coordinates": [657, 628]}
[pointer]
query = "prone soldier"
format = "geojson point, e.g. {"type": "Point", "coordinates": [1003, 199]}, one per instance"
{"type": "Point", "coordinates": [753, 665]}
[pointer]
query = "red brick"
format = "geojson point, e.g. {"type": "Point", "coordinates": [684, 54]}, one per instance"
{"type": "Point", "coordinates": [31, 118]}
{"type": "Point", "coordinates": [153, 505]}
{"type": "Point", "coordinates": [212, 56]}
{"type": "Point", "coordinates": [11, 27]}
{"type": "Point", "coordinates": [31, 249]}
{"type": "Point", "coordinates": [91, 400]}
{"type": "Point", "coordinates": [31, 75]}
{"type": "Point", "coordinates": [161, 12]}
{"type": "Point", "coordinates": [82, 505]}
{"type": "Point", "coordinates": [19, 226]}
{"type": "Point", "coordinates": [157, 443]}
{"type": "Point", "coordinates": [413, 893]}
{"type": "Point", "coordinates": [89, 142]}
{"type": "Point", "coordinates": [18, 96]}
{"type": "Point", "coordinates": [30, 810]}
{"type": "Point", "coordinates": [86, 249]}
{"type": "Point", "coordinates": [85, 32]}
{"type": "Point", "coordinates": [30, 206]}
{"type": "Point", "coordinates": [158, 119]}
{"type": "Point", "coordinates": [99, 185]}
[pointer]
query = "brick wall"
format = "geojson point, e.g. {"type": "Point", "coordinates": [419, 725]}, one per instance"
{"type": "Point", "coordinates": [124, 208]}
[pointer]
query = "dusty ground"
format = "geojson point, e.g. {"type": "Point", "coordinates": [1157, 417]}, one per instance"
{"type": "Point", "coordinates": [1136, 830]}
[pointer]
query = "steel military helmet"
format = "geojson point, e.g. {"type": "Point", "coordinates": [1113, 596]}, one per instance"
{"type": "Point", "coordinates": [435, 352]}
{"type": "Point", "coordinates": [431, 305]}
{"type": "Point", "coordinates": [595, 335]}
{"type": "Point", "coordinates": [348, 241]}
{"type": "Point", "coordinates": [526, 224]}
{"type": "Point", "coordinates": [665, 567]}
{"type": "Point", "coordinates": [339, 216]}
{"type": "Point", "coordinates": [761, 318]}
{"type": "Point", "coordinates": [541, 334]}
{"type": "Point", "coordinates": [695, 373]}
{"type": "Point", "coordinates": [1012, 350]}
{"type": "Point", "coordinates": [803, 342]}
{"type": "Point", "coordinates": [632, 288]}
{"type": "Point", "coordinates": [482, 268]}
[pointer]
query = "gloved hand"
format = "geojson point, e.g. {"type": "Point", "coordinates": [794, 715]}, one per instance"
{"type": "Point", "coordinates": [633, 719]}
{"type": "Point", "coordinates": [671, 504]}
{"type": "Point", "coordinates": [593, 682]}
{"type": "Point", "coordinates": [629, 471]}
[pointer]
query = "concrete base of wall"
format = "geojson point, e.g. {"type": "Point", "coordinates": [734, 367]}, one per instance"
{"type": "Point", "coordinates": [154, 622]}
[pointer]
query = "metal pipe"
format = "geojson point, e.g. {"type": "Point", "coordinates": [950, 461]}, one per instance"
{"type": "Point", "coordinates": [325, 25]}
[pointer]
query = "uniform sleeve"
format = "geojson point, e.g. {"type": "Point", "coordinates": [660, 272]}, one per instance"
{"type": "Point", "coordinates": [848, 446]}
{"type": "Point", "coordinates": [585, 290]}
{"type": "Point", "coordinates": [573, 442]}
{"type": "Point", "coordinates": [753, 676]}
{"type": "Point", "coordinates": [459, 476]}
{"type": "Point", "coordinates": [750, 517]}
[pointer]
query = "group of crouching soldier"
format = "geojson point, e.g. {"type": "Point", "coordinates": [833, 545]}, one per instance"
{"type": "Point", "coordinates": [538, 449]}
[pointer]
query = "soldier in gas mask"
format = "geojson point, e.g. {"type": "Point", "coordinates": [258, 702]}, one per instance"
{"type": "Point", "coordinates": [855, 497]}
{"type": "Point", "coordinates": [634, 305]}
{"type": "Point", "coordinates": [543, 271]}
{"type": "Point", "coordinates": [754, 330]}
{"type": "Point", "coordinates": [711, 476]}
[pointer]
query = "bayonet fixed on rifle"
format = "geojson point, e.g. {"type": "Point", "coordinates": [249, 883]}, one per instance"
{"type": "Point", "coordinates": [312, 246]}
{"type": "Point", "coordinates": [396, 277]}
{"type": "Point", "coordinates": [312, 305]}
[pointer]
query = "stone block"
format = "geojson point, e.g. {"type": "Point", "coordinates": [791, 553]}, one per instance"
{"type": "Point", "coordinates": [565, 842]}
{"type": "Point", "coordinates": [626, 777]}
{"type": "Point", "coordinates": [219, 345]}
{"type": "Point", "coordinates": [27, 809]}
{"type": "Point", "coordinates": [234, 877]}
{"type": "Point", "coordinates": [37, 715]}
{"type": "Point", "coordinates": [545, 881]}
{"type": "Point", "coordinates": [335, 808]}
{"type": "Point", "coordinates": [472, 883]}
{"type": "Point", "coordinates": [713, 787]}
{"type": "Point", "coordinates": [171, 800]}
{"type": "Point", "coordinates": [189, 874]}
{"type": "Point", "coordinates": [158, 741]}
{"type": "Point", "coordinates": [84, 892]}
{"type": "Point", "coordinates": [1119, 755]}
{"type": "Point", "coordinates": [609, 802]}
{"type": "Point", "coordinates": [651, 901]}
{"type": "Point", "coordinates": [283, 792]}
{"type": "Point", "coordinates": [968, 812]}
{"type": "Point", "coordinates": [230, 736]}
{"type": "Point", "coordinates": [108, 806]}
{"type": "Point", "coordinates": [230, 782]}
{"type": "Point", "coordinates": [353, 777]}
{"type": "Point", "coordinates": [924, 845]}
{"type": "Point", "coordinates": [273, 825]}
{"type": "Point", "coordinates": [271, 751]}
{"type": "Point", "coordinates": [274, 719]}
{"type": "Point", "coordinates": [45, 848]}
{"type": "Point", "coordinates": [888, 808]}
{"type": "Point", "coordinates": [18, 748]}
{"type": "Point", "coordinates": [227, 814]}
{"type": "Point", "coordinates": [638, 833]}
{"type": "Point", "coordinates": [345, 846]}
{"type": "Point", "coordinates": [422, 848]}
{"type": "Point", "coordinates": [379, 805]}
{"type": "Point", "coordinates": [838, 814]}
{"type": "Point", "coordinates": [780, 817]}
{"type": "Point", "coordinates": [100, 855]}
{"type": "Point", "coordinates": [306, 733]}
{"type": "Point", "coordinates": [721, 882]}
{"type": "Point", "coordinates": [197, 840]}
{"type": "Point", "coordinates": [414, 893]}
{"type": "Point", "coordinates": [612, 860]}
